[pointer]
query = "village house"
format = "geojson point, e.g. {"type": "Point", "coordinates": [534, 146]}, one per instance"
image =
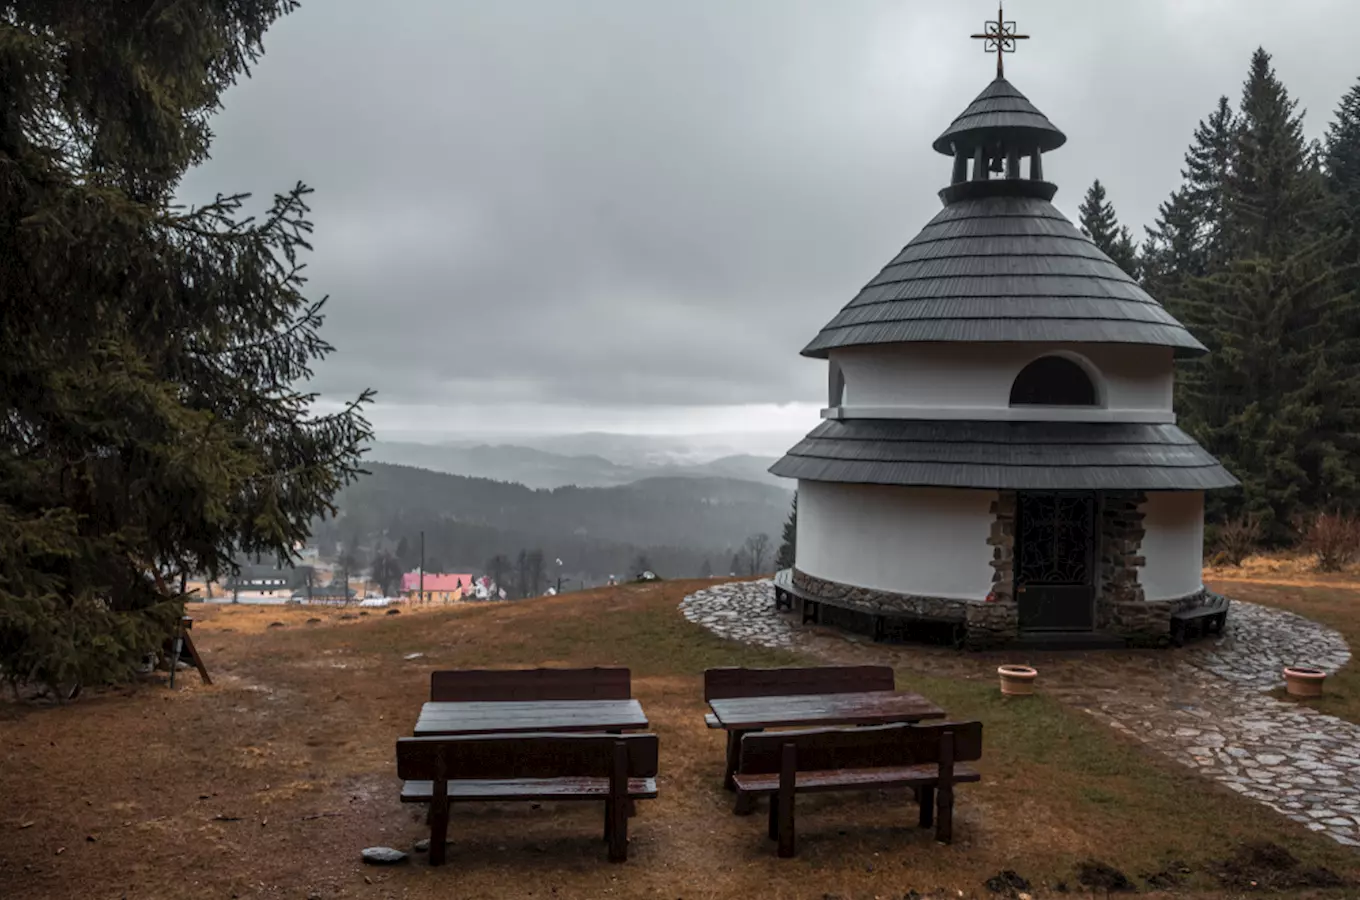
{"type": "Point", "coordinates": [437, 588]}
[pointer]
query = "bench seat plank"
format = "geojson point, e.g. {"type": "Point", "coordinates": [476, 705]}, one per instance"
{"type": "Point", "coordinates": [852, 779]}
{"type": "Point", "coordinates": [711, 721]}
{"type": "Point", "coordinates": [527, 789]}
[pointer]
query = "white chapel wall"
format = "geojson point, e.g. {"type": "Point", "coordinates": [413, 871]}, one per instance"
{"type": "Point", "coordinates": [930, 542]}
{"type": "Point", "coordinates": [975, 379]}
{"type": "Point", "coordinates": [1173, 545]}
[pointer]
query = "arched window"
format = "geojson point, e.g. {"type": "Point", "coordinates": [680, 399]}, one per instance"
{"type": "Point", "coordinates": [1053, 381]}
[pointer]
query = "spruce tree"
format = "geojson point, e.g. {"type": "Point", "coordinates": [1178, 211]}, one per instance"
{"type": "Point", "coordinates": [1100, 223]}
{"type": "Point", "coordinates": [1276, 397]}
{"type": "Point", "coordinates": [150, 355]}
{"type": "Point", "coordinates": [788, 543]}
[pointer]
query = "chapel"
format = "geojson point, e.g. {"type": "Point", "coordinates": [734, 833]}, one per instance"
{"type": "Point", "coordinates": [999, 448]}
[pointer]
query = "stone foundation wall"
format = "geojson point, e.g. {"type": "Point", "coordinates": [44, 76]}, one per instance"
{"type": "Point", "coordinates": [1121, 607]}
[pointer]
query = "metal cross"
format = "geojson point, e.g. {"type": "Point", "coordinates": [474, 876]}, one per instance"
{"type": "Point", "coordinates": [1000, 37]}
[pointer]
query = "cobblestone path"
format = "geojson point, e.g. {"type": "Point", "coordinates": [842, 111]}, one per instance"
{"type": "Point", "coordinates": [1205, 706]}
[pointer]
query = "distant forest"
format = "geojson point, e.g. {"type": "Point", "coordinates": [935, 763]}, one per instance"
{"type": "Point", "coordinates": [1257, 252]}
{"type": "Point", "coordinates": [678, 527]}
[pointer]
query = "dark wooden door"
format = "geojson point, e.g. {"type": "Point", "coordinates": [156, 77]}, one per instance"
{"type": "Point", "coordinates": [1055, 561]}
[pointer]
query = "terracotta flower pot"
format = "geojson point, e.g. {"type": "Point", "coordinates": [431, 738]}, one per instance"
{"type": "Point", "coordinates": [1017, 681]}
{"type": "Point", "coordinates": [1303, 681]}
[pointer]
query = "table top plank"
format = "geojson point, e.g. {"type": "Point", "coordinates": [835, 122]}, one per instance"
{"type": "Point", "coordinates": [864, 708]}
{"type": "Point", "coordinates": [483, 717]}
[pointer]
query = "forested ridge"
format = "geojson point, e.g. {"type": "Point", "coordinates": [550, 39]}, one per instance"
{"type": "Point", "coordinates": [679, 525]}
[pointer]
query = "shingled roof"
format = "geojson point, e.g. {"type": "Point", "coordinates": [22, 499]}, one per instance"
{"type": "Point", "coordinates": [1000, 106]}
{"type": "Point", "coordinates": [1039, 456]}
{"type": "Point", "coordinates": [1002, 268]}
{"type": "Point", "coordinates": [1000, 262]}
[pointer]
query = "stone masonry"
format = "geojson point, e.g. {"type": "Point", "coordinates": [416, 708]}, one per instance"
{"type": "Point", "coordinates": [1121, 607]}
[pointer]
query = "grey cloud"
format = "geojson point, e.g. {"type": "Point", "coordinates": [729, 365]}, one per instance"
{"type": "Point", "coordinates": [627, 203]}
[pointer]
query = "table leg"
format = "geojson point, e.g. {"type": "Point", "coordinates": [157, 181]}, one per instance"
{"type": "Point", "coordinates": [733, 758]}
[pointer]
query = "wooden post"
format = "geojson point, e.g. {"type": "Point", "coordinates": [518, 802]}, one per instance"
{"type": "Point", "coordinates": [618, 804]}
{"type": "Point", "coordinates": [788, 774]}
{"type": "Point", "coordinates": [439, 810]}
{"type": "Point", "coordinates": [1013, 163]}
{"type": "Point", "coordinates": [960, 165]}
{"type": "Point", "coordinates": [1036, 166]}
{"type": "Point", "coordinates": [980, 165]}
{"type": "Point", "coordinates": [944, 824]}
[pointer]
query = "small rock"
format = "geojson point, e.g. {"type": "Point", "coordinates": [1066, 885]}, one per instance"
{"type": "Point", "coordinates": [382, 856]}
{"type": "Point", "coordinates": [394, 612]}
{"type": "Point", "coordinates": [314, 621]}
{"type": "Point", "coordinates": [275, 624]}
{"type": "Point", "coordinates": [422, 845]}
{"type": "Point", "coordinates": [413, 656]}
{"type": "Point", "coordinates": [364, 613]}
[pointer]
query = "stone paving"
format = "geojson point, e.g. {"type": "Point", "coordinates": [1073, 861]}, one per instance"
{"type": "Point", "coordinates": [1206, 706]}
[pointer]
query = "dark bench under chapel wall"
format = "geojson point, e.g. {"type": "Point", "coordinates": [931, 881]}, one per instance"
{"type": "Point", "coordinates": [499, 686]}
{"type": "Point", "coordinates": [612, 768]}
{"type": "Point", "coordinates": [924, 757]}
{"type": "Point", "coordinates": [1199, 621]}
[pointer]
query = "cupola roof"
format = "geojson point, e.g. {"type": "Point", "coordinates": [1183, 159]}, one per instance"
{"type": "Point", "coordinates": [1000, 111]}
{"type": "Point", "coordinates": [1000, 262]}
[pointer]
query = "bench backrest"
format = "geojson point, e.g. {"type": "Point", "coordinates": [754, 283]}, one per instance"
{"type": "Point", "coordinates": [726, 683]}
{"type": "Point", "coordinates": [504, 685]}
{"type": "Point", "coordinates": [526, 756]}
{"type": "Point", "coordinates": [873, 747]}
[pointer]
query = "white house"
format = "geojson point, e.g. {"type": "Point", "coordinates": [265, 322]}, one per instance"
{"type": "Point", "coordinates": [999, 448]}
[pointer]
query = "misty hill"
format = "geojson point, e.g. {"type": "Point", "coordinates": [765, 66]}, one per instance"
{"type": "Point", "coordinates": [678, 522]}
{"type": "Point", "coordinates": [537, 468]}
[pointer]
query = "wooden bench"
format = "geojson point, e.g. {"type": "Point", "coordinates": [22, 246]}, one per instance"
{"type": "Point", "coordinates": [441, 771]}
{"type": "Point", "coordinates": [812, 612]}
{"type": "Point", "coordinates": [730, 681]}
{"type": "Point", "coordinates": [1200, 620]}
{"type": "Point", "coordinates": [925, 758]}
{"type": "Point", "coordinates": [508, 685]}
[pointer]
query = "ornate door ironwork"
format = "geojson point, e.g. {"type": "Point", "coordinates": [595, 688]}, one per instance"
{"type": "Point", "coordinates": [1055, 561]}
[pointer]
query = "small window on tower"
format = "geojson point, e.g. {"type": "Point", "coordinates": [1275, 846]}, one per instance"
{"type": "Point", "coordinates": [1053, 381]}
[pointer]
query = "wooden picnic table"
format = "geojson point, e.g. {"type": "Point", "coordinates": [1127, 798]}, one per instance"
{"type": "Point", "coordinates": [740, 715]}
{"type": "Point", "coordinates": [523, 716]}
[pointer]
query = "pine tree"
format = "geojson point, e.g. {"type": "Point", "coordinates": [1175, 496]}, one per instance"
{"type": "Point", "coordinates": [150, 422]}
{"type": "Point", "coordinates": [706, 570]}
{"type": "Point", "coordinates": [1100, 223]}
{"type": "Point", "coordinates": [1187, 239]}
{"type": "Point", "coordinates": [1276, 397]}
{"type": "Point", "coordinates": [788, 541]}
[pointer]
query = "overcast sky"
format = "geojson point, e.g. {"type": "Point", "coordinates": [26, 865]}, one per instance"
{"type": "Point", "coordinates": [630, 215]}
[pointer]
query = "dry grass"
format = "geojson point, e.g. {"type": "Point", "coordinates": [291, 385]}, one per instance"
{"type": "Point", "coordinates": [293, 749]}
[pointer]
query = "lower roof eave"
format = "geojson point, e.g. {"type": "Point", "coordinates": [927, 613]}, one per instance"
{"type": "Point", "coordinates": [1002, 455]}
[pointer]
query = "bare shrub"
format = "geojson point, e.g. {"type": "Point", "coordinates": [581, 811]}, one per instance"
{"type": "Point", "coordinates": [1237, 539]}
{"type": "Point", "coordinates": [1334, 538]}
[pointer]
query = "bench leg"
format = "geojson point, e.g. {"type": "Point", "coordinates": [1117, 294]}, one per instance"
{"type": "Point", "coordinates": [788, 841]}
{"type": "Point", "coordinates": [944, 813]}
{"type": "Point", "coordinates": [616, 829]}
{"type": "Point", "coordinates": [439, 833]}
{"type": "Point", "coordinates": [926, 799]}
{"type": "Point", "coordinates": [774, 817]}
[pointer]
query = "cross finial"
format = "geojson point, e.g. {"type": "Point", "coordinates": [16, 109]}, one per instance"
{"type": "Point", "coordinates": [1000, 37]}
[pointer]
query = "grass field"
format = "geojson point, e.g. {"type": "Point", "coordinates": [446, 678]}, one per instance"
{"type": "Point", "coordinates": [271, 781]}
